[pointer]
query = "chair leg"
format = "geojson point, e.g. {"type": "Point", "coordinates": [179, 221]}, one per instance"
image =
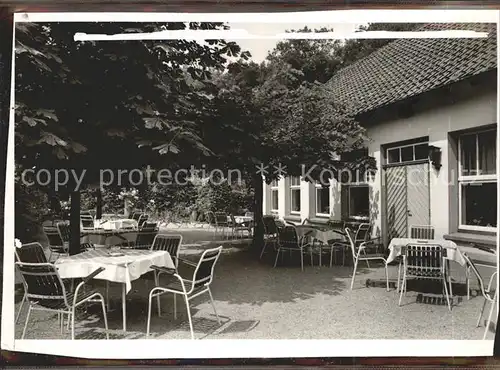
{"type": "Point", "coordinates": [20, 308]}
{"type": "Point", "coordinates": [467, 277]}
{"type": "Point", "coordinates": [175, 306]}
{"type": "Point", "coordinates": [26, 322]}
{"type": "Point", "coordinates": [481, 314]}
{"type": "Point", "coordinates": [487, 328]}
{"type": "Point", "coordinates": [277, 256]}
{"type": "Point", "coordinates": [263, 249]}
{"type": "Point", "coordinates": [189, 316]}
{"type": "Point", "coordinates": [72, 323]}
{"type": "Point", "coordinates": [354, 272]}
{"type": "Point", "coordinates": [399, 277]}
{"type": "Point", "coordinates": [403, 288]}
{"type": "Point", "coordinates": [149, 312]}
{"type": "Point", "coordinates": [213, 305]}
{"type": "Point", "coordinates": [446, 292]}
{"type": "Point", "coordinates": [331, 258]}
{"type": "Point", "coordinates": [386, 276]}
{"type": "Point", "coordinates": [157, 297]}
{"type": "Point", "coordinates": [105, 316]}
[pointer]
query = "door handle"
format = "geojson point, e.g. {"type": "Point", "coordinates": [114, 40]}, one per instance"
{"type": "Point", "coordinates": [409, 213]}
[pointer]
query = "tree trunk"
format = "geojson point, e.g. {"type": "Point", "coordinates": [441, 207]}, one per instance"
{"type": "Point", "coordinates": [98, 211]}
{"type": "Point", "coordinates": [74, 242]}
{"type": "Point", "coordinates": [258, 234]}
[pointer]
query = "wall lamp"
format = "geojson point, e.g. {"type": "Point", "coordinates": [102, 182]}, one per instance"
{"type": "Point", "coordinates": [435, 156]}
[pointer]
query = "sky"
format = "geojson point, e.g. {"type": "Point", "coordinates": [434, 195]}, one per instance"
{"type": "Point", "coordinates": [259, 48]}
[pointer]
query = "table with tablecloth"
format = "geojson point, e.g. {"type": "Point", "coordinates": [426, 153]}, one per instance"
{"type": "Point", "coordinates": [323, 235]}
{"type": "Point", "coordinates": [123, 269]}
{"type": "Point", "coordinates": [453, 253]}
{"type": "Point", "coordinates": [109, 237]}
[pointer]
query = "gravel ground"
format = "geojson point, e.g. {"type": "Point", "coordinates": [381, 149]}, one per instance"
{"type": "Point", "coordinates": [256, 301]}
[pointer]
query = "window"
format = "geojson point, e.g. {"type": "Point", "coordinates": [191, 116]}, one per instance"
{"type": "Point", "coordinates": [477, 181]}
{"type": "Point", "coordinates": [295, 195]}
{"type": "Point", "coordinates": [359, 201]}
{"type": "Point", "coordinates": [322, 200]}
{"type": "Point", "coordinates": [274, 196]}
{"type": "Point", "coordinates": [408, 153]}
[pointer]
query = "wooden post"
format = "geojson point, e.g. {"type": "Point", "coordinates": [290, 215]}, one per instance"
{"type": "Point", "coordinates": [74, 219]}
{"type": "Point", "coordinates": [98, 211]}
{"type": "Point", "coordinates": [258, 234]}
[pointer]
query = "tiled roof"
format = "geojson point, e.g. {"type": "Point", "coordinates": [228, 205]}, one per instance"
{"type": "Point", "coordinates": [408, 67]}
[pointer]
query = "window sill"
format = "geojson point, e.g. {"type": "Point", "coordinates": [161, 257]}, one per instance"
{"type": "Point", "coordinates": [472, 238]}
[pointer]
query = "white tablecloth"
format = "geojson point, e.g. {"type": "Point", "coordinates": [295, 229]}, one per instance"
{"type": "Point", "coordinates": [117, 224]}
{"type": "Point", "coordinates": [452, 251]}
{"type": "Point", "coordinates": [109, 237]}
{"type": "Point", "coordinates": [323, 236]}
{"type": "Point", "coordinates": [122, 269]}
{"type": "Point", "coordinates": [240, 219]}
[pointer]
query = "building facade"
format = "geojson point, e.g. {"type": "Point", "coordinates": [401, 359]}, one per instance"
{"type": "Point", "coordinates": [430, 112]}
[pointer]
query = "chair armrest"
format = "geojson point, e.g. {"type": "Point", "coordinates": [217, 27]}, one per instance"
{"type": "Point", "coordinates": [168, 270]}
{"type": "Point", "coordinates": [189, 263]}
{"type": "Point", "coordinates": [485, 249]}
{"type": "Point", "coordinates": [93, 275]}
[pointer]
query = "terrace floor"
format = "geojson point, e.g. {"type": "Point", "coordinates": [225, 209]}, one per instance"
{"type": "Point", "coordinates": [256, 301]}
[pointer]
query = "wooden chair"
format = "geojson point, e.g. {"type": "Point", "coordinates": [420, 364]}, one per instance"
{"type": "Point", "coordinates": [288, 240]}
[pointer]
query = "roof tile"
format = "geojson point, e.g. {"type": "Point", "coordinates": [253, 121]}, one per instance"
{"type": "Point", "coordinates": [408, 67]}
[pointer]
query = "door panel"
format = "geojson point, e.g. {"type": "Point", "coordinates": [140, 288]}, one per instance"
{"type": "Point", "coordinates": [396, 202]}
{"type": "Point", "coordinates": [418, 194]}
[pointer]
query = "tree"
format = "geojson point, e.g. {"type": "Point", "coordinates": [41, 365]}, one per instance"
{"type": "Point", "coordinates": [110, 105]}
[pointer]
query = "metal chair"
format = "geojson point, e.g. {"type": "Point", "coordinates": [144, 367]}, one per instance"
{"type": "Point", "coordinates": [238, 228]}
{"type": "Point", "coordinates": [359, 253]}
{"type": "Point", "coordinates": [198, 284]}
{"type": "Point", "coordinates": [423, 232]}
{"type": "Point", "coordinates": [288, 240]}
{"type": "Point", "coordinates": [87, 221]}
{"type": "Point", "coordinates": [146, 235]}
{"type": "Point", "coordinates": [222, 223]}
{"type": "Point", "coordinates": [56, 245]}
{"type": "Point", "coordinates": [488, 295]}
{"type": "Point", "coordinates": [45, 291]}
{"type": "Point", "coordinates": [271, 232]}
{"type": "Point", "coordinates": [483, 263]}
{"type": "Point", "coordinates": [424, 261]}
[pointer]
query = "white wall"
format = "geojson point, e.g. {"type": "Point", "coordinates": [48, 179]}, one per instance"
{"type": "Point", "coordinates": [436, 124]}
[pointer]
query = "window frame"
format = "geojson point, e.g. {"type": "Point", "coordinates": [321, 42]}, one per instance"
{"type": "Point", "coordinates": [320, 187]}
{"type": "Point", "coordinates": [356, 185]}
{"type": "Point", "coordinates": [399, 147]}
{"type": "Point", "coordinates": [274, 188]}
{"type": "Point", "coordinates": [292, 189]}
{"type": "Point", "coordinates": [473, 179]}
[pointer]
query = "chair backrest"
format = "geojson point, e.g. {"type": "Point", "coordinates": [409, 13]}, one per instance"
{"type": "Point", "coordinates": [146, 236]}
{"type": "Point", "coordinates": [64, 231]}
{"type": "Point", "coordinates": [31, 253]}
{"type": "Point", "coordinates": [221, 218]}
{"type": "Point", "coordinates": [204, 271]}
{"type": "Point", "coordinates": [52, 234]}
{"type": "Point", "coordinates": [424, 260]}
{"type": "Point", "coordinates": [210, 217]}
{"type": "Point", "coordinates": [363, 233]}
{"type": "Point", "coordinates": [87, 221]}
{"type": "Point", "coordinates": [142, 219]}
{"type": "Point", "coordinates": [423, 232]}
{"type": "Point", "coordinates": [336, 224]}
{"type": "Point", "coordinates": [288, 237]}
{"type": "Point", "coordinates": [270, 227]}
{"type": "Point", "coordinates": [135, 216]}
{"type": "Point", "coordinates": [42, 283]}
{"type": "Point", "coordinates": [170, 243]}
{"type": "Point", "coordinates": [351, 237]}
